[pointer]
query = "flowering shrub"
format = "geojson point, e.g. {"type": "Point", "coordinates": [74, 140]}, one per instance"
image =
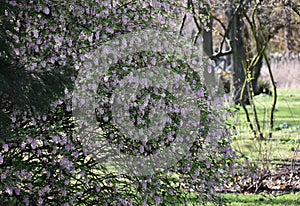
{"type": "Point", "coordinates": [54, 169]}
{"type": "Point", "coordinates": [44, 161]}
{"type": "Point", "coordinates": [51, 167]}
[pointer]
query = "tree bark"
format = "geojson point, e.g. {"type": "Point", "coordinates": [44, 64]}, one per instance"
{"type": "Point", "coordinates": [208, 45]}
{"type": "Point", "coordinates": [288, 31]}
{"type": "Point", "coordinates": [238, 56]}
{"type": "Point", "coordinates": [255, 75]}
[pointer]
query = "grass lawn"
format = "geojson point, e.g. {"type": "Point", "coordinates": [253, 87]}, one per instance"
{"type": "Point", "coordinates": [252, 200]}
{"type": "Point", "coordinates": [259, 199]}
{"type": "Point", "coordinates": [281, 148]}
{"type": "Point", "coordinates": [287, 111]}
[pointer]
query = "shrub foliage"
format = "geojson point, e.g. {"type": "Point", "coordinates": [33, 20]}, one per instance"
{"type": "Point", "coordinates": [43, 161]}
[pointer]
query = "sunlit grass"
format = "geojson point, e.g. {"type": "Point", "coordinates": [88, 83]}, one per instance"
{"type": "Point", "coordinates": [287, 111]}
{"type": "Point", "coordinates": [290, 199]}
{"type": "Point", "coordinates": [262, 199]}
{"type": "Point", "coordinates": [286, 130]}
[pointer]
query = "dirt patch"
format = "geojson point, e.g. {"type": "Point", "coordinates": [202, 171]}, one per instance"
{"type": "Point", "coordinates": [276, 180]}
{"type": "Point", "coordinates": [282, 179]}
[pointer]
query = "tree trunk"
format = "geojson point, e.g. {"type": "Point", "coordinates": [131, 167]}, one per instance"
{"type": "Point", "coordinates": [208, 46]}
{"type": "Point", "coordinates": [255, 75]}
{"type": "Point", "coordinates": [238, 57]}
{"type": "Point", "coordinates": [288, 31]}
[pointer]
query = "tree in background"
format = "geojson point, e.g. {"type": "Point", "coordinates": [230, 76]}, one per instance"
{"type": "Point", "coordinates": [237, 28]}
{"type": "Point", "coordinates": [242, 32]}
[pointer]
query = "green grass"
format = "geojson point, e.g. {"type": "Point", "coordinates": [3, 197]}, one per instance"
{"type": "Point", "coordinates": [249, 200]}
{"type": "Point", "coordinates": [279, 149]}
{"type": "Point", "coordinates": [287, 111]}
{"type": "Point", "coordinates": [263, 200]}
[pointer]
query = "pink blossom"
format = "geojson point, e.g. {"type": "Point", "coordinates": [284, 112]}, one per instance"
{"type": "Point", "coordinates": [36, 33]}
{"type": "Point", "coordinates": [40, 201]}
{"type": "Point", "coordinates": [67, 182]}
{"type": "Point", "coordinates": [17, 191]}
{"type": "Point", "coordinates": [64, 193]}
{"type": "Point", "coordinates": [8, 190]}
{"type": "Point", "coordinates": [141, 149]}
{"type": "Point", "coordinates": [64, 140]}
{"type": "Point", "coordinates": [158, 200]}
{"type": "Point", "coordinates": [207, 164]}
{"type": "Point", "coordinates": [13, 3]}
{"type": "Point", "coordinates": [124, 20]}
{"type": "Point", "coordinates": [55, 139]}
{"type": "Point", "coordinates": [33, 144]}
{"type": "Point", "coordinates": [155, 3]}
{"type": "Point", "coordinates": [5, 147]}
{"type": "Point", "coordinates": [109, 30]}
{"type": "Point", "coordinates": [46, 189]}
{"type": "Point", "coordinates": [46, 10]}
{"type": "Point", "coordinates": [144, 185]}
{"type": "Point", "coordinates": [171, 191]}
{"type": "Point", "coordinates": [13, 119]}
